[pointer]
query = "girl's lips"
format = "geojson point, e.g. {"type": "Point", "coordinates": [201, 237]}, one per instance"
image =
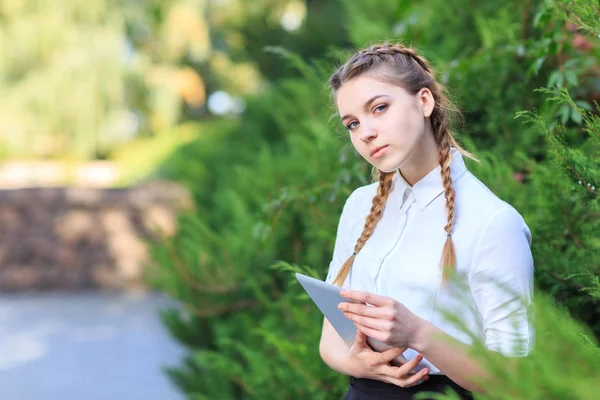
{"type": "Point", "coordinates": [380, 152]}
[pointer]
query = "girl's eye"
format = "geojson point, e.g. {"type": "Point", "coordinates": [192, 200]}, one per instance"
{"type": "Point", "coordinates": [351, 125]}
{"type": "Point", "coordinates": [380, 108]}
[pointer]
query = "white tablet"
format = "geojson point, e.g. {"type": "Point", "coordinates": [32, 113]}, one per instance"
{"type": "Point", "coordinates": [327, 297]}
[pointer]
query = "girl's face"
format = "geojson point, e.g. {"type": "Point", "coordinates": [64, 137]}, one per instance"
{"type": "Point", "coordinates": [388, 126]}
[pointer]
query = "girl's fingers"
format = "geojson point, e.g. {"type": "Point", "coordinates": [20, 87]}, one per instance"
{"type": "Point", "coordinates": [397, 379]}
{"type": "Point", "coordinates": [412, 364]}
{"type": "Point", "coordinates": [372, 333]}
{"type": "Point", "coordinates": [366, 310]}
{"type": "Point", "coordinates": [390, 354]}
{"type": "Point", "coordinates": [361, 338]}
{"type": "Point", "coordinates": [373, 323]}
{"type": "Point", "coordinates": [366, 297]}
{"type": "Point", "coordinates": [418, 382]}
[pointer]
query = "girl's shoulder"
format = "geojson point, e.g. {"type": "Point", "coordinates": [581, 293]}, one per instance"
{"type": "Point", "coordinates": [358, 204]}
{"type": "Point", "coordinates": [474, 194]}
{"type": "Point", "coordinates": [363, 194]}
{"type": "Point", "coordinates": [479, 205]}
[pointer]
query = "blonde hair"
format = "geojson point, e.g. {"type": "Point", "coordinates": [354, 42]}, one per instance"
{"type": "Point", "coordinates": [402, 66]}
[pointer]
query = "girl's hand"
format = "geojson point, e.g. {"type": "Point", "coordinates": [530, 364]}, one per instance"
{"type": "Point", "coordinates": [362, 362]}
{"type": "Point", "coordinates": [382, 318]}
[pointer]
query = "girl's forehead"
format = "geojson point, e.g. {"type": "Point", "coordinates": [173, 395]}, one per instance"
{"type": "Point", "coordinates": [364, 84]}
{"type": "Point", "coordinates": [352, 95]}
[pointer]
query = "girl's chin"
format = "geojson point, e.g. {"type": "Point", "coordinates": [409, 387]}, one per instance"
{"type": "Point", "coordinates": [386, 167]}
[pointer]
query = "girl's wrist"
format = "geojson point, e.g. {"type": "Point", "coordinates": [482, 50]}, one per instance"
{"type": "Point", "coordinates": [421, 338]}
{"type": "Point", "coordinates": [347, 368]}
{"type": "Point", "coordinates": [344, 365]}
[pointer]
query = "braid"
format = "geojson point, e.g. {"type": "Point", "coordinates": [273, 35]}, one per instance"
{"type": "Point", "coordinates": [391, 50]}
{"type": "Point", "coordinates": [448, 254]}
{"type": "Point", "coordinates": [403, 59]}
{"type": "Point", "coordinates": [383, 191]}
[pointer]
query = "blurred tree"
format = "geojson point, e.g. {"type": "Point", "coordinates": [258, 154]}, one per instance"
{"type": "Point", "coordinates": [81, 77]}
{"type": "Point", "coordinates": [61, 75]}
{"type": "Point", "coordinates": [308, 28]}
{"type": "Point", "coordinates": [74, 82]}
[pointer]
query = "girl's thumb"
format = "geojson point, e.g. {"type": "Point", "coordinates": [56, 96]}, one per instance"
{"type": "Point", "coordinates": [361, 338]}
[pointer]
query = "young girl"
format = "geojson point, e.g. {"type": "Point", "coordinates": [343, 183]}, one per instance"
{"type": "Point", "coordinates": [400, 240]}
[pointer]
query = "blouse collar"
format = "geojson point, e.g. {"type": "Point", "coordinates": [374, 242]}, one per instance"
{"type": "Point", "coordinates": [430, 186]}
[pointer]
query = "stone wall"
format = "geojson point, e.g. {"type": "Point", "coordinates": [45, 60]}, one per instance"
{"type": "Point", "coordinates": [83, 238]}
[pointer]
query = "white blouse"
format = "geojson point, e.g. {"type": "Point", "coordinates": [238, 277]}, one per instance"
{"type": "Point", "coordinates": [493, 290]}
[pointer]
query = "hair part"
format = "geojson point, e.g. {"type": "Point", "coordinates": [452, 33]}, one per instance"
{"type": "Point", "coordinates": [401, 65]}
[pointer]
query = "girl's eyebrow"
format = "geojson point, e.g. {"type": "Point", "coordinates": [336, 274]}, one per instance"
{"type": "Point", "coordinates": [366, 105]}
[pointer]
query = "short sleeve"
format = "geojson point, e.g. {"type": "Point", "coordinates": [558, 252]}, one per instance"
{"type": "Point", "coordinates": [501, 282]}
{"type": "Point", "coordinates": [343, 245]}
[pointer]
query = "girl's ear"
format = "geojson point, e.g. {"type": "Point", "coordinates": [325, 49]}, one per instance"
{"type": "Point", "coordinates": [427, 101]}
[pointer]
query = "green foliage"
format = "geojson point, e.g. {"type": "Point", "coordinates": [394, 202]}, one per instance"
{"type": "Point", "coordinates": [564, 364]}
{"type": "Point", "coordinates": [218, 263]}
{"type": "Point", "coordinates": [140, 158]}
{"type": "Point", "coordinates": [270, 187]}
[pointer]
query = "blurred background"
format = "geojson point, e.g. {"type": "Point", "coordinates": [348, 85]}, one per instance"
{"type": "Point", "coordinates": [166, 165]}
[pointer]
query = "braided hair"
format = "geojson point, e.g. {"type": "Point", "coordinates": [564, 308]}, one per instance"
{"type": "Point", "coordinates": [402, 66]}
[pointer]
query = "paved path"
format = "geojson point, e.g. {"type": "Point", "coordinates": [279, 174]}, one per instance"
{"type": "Point", "coordinates": [85, 346]}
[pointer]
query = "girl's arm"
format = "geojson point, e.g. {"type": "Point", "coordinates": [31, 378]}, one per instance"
{"type": "Point", "coordinates": [501, 283]}
{"type": "Point", "coordinates": [450, 356]}
{"type": "Point", "coordinates": [332, 348]}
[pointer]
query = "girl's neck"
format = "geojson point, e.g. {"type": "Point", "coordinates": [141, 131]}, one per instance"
{"type": "Point", "coordinates": [423, 159]}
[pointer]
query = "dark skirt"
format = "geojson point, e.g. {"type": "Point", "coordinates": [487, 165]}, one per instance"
{"type": "Point", "coordinates": [369, 389]}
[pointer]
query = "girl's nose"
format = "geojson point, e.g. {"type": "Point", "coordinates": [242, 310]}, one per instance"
{"type": "Point", "coordinates": [368, 133]}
